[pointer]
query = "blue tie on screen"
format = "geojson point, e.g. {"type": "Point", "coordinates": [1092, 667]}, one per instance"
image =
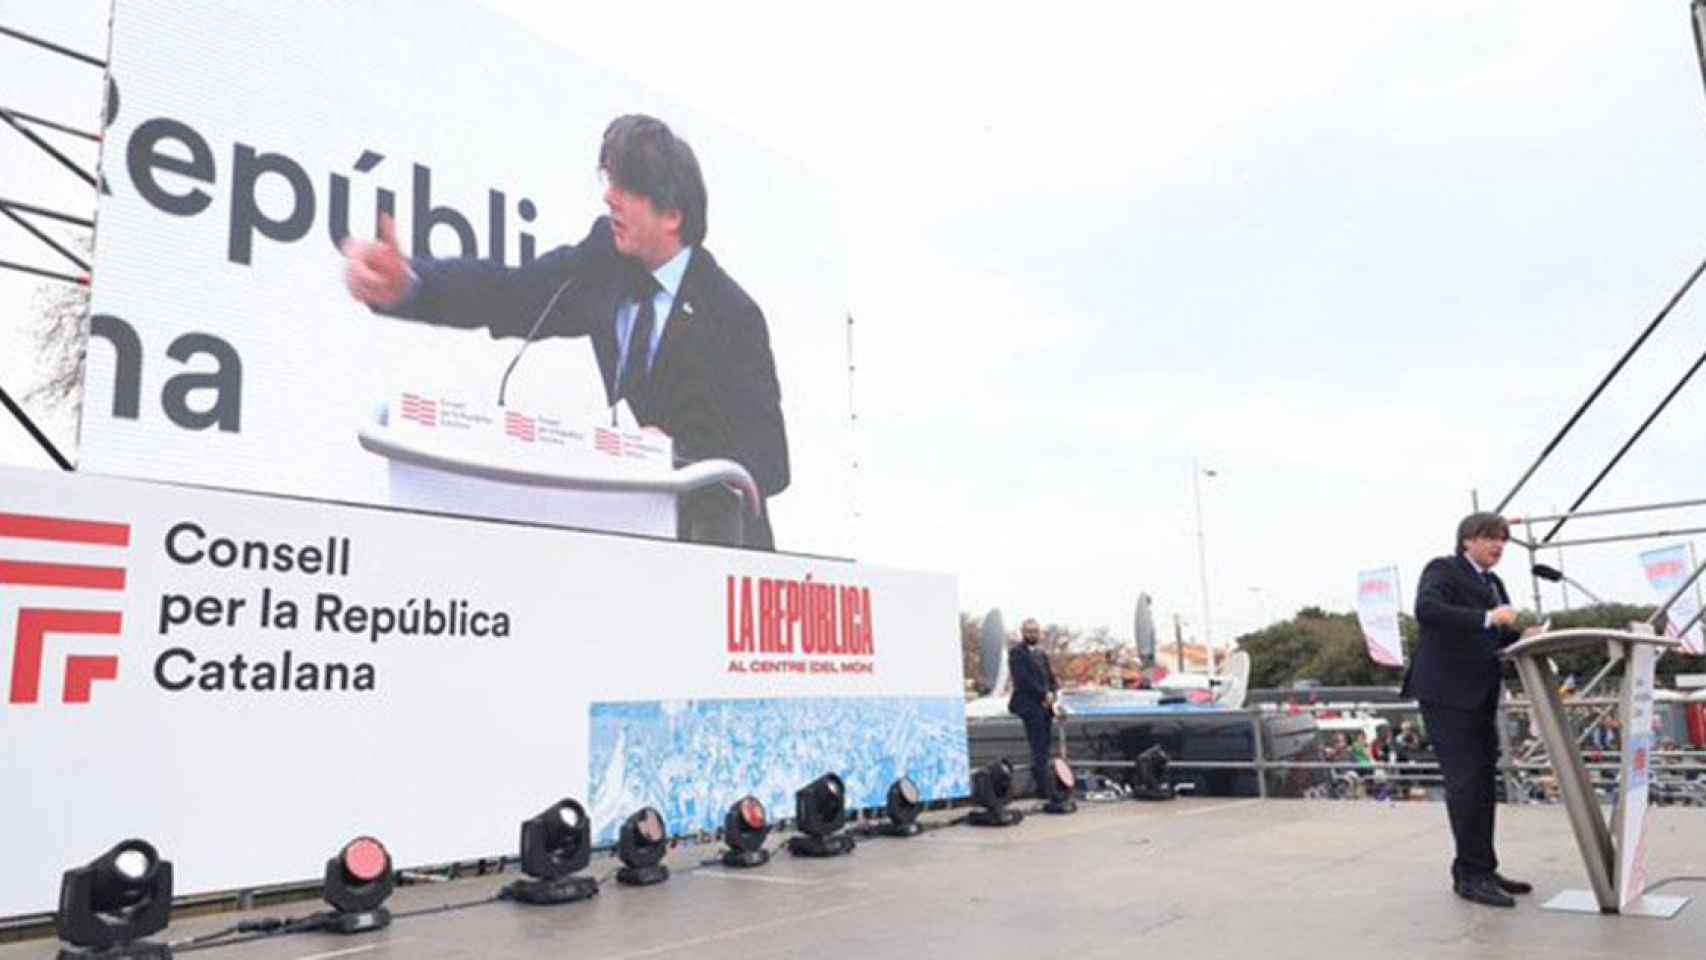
{"type": "Point", "coordinates": [637, 364]}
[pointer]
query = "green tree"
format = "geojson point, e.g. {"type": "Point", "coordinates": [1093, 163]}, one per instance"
{"type": "Point", "coordinates": [1316, 645]}
{"type": "Point", "coordinates": [1615, 616]}
{"type": "Point", "coordinates": [1328, 648]}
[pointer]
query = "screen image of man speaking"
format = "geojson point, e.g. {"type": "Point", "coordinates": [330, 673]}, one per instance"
{"type": "Point", "coordinates": [675, 337]}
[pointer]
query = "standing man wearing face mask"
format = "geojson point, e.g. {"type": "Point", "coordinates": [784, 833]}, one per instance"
{"type": "Point", "coordinates": [1034, 687]}
{"type": "Point", "coordinates": [1465, 617]}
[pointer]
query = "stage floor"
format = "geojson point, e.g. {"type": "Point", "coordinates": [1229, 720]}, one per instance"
{"type": "Point", "coordinates": [1200, 878]}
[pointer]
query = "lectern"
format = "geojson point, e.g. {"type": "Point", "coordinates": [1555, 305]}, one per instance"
{"type": "Point", "coordinates": [450, 456]}
{"type": "Point", "coordinates": [1615, 856]}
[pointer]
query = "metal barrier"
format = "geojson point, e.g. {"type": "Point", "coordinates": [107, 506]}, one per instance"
{"type": "Point", "coordinates": [1514, 766]}
{"type": "Point", "coordinates": [1614, 854]}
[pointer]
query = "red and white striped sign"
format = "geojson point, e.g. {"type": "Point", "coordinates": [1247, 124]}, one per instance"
{"type": "Point", "coordinates": [420, 410]}
{"type": "Point", "coordinates": [520, 427]}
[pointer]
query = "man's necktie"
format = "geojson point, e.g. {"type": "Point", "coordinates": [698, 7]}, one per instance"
{"type": "Point", "coordinates": [637, 364]}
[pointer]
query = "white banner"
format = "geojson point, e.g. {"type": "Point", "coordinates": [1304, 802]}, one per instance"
{"type": "Point", "coordinates": [1377, 613]}
{"type": "Point", "coordinates": [1637, 710]}
{"type": "Point", "coordinates": [1666, 568]}
{"type": "Point", "coordinates": [227, 351]}
{"type": "Point", "coordinates": [248, 681]}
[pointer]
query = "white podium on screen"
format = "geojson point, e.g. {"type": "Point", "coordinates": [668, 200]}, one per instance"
{"type": "Point", "coordinates": [453, 456]}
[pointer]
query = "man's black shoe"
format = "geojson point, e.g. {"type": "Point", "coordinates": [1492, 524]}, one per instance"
{"type": "Point", "coordinates": [1513, 886]}
{"type": "Point", "coordinates": [1483, 890]}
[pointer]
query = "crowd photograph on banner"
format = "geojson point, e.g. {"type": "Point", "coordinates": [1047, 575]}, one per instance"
{"type": "Point", "coordinates": [474, 473]}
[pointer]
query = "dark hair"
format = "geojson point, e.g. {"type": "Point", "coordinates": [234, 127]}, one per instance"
{"type": "Point", "coordinates": [644, 157]}
{"type": "Point", "coordinates": [1489, 525]}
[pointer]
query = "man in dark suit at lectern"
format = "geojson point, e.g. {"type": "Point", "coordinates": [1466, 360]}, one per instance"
{"type": "Point", "coordinates": [1033, 701]}
{"type": "Point", "coordinates": [1465, 617]}
{"type": "Point", "coordinates": [675, 336]}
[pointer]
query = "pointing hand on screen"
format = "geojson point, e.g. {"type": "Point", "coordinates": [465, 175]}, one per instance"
{"type": "Point", "coordinates": [376, 272]}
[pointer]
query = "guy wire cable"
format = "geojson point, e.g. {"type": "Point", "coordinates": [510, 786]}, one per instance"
{"type": "Point", "coordinates": [1626, 445]}
{"type": "Point", "coordinates": [1697, 21]}
{"type": "Point", "coordinates": [1604, 382]}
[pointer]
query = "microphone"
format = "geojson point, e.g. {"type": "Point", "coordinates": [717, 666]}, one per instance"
{"type": "Point", "coordinates": [503, 384]}
{"type": "Point", "coordinates": [1554, 575]}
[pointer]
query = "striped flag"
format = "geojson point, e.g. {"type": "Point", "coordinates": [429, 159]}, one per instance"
{"type": "Point", "coordinates": [520, 427]}
{"type": "Point", "coordinates": [1377, 613]}
{"type": "Point", "coordinates": [420, 410]}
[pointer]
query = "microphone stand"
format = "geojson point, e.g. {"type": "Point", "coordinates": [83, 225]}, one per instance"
{"type": "Point", "coordinates": [503, 384]}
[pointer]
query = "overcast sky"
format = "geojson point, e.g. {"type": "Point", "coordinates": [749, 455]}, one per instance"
{"type": "Point", "coordinates": [1357, 258]}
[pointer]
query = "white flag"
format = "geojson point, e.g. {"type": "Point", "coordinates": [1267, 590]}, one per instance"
{"type": "Point", "coordinates": [1377, 612]}
{"type": "Point", "coordinates": [1666, 568]}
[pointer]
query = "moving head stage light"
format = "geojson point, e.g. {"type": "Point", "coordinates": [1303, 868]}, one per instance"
{"type": "Point", "coordinates": [641, 845]}
{"type": "Point", "coordinates": [992, 788]}
{"type": "Point", "coordinates": [902, 808]}
{"type": "Point", "coordinates": [1149, 780]}
{"type": "Point", "coordinates": [1065, 782]}
{"type": "Point", "coordinates": [358, 880]}
{"type": "Point", "coordinates": [554, 845]}
{"type": "Point", "coordinates": [744, 830]}
{"type": "Point", "coordinates": [106, 907]}
{"type": "Point", "coordinates": [820, 811]}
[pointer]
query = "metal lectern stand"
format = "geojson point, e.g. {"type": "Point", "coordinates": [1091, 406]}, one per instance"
{"type": "Point", "coordinates": [1614, 855]}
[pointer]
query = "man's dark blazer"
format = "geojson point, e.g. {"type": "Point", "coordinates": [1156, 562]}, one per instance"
{"type": "Point", "coordinates": [1033, 678]}
{"type": "Point", "coordinates": [1457, 659]}
{"type": "Point", "coordinates": [713, 384]}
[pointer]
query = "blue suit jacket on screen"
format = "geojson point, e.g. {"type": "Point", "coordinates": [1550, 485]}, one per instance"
{"type": "Point", "coordinates": [712, 386]}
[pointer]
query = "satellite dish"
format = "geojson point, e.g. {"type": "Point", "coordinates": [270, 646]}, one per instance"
{"type": "Point", "coordinates": [1143, 629]}
{"type": "Point", "coordinates": [1234, 681]}
{"type": "Point", "coordinates": [991, 652]}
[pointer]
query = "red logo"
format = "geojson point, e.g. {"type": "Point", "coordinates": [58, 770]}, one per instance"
{"type": "Point", "coordinates": [36, 623]}
{"type": "Point", "coordinates": [420, 410]}
{"type": "Point", "coordinates": [520, 427]}
{"type": "Point", "coordinates": [1664, 569]}
{"type": "Point", "coordinates": [607, 441]}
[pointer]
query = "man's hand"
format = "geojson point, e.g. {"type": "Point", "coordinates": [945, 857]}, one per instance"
{"type": "Point", "coordinates": [1535, 630]}
{"type": "Point", "coordinates": [1503, 616]}
{"type": "Point", "coordinates": [376, 272]}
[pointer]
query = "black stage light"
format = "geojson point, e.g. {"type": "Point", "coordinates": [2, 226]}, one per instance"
{"type": "Point", "coordinates": [106, 907]}
{"type": "Point", "coordinates": [358, 880]}
{"type": "Point", "coordinates": [1150, 782]}
{"type": "Point", "coordinates": [744, 830]}
{"type": "Point", "coordinates": [902, 808]}
{"type": "Point", "coordinates": [641, 845]}
{"type": "Point", "coordinates": [992, 788]}
{"type": "Point", "coordinates": [554, 845]}
{"type": "Point", "coordinates": [820, 811]}
{"type": "Point", "coordinates": [1065, 782]}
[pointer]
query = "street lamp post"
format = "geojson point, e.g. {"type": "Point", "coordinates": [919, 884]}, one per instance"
{"type": "Point", "coordinates": [1197, 473]}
